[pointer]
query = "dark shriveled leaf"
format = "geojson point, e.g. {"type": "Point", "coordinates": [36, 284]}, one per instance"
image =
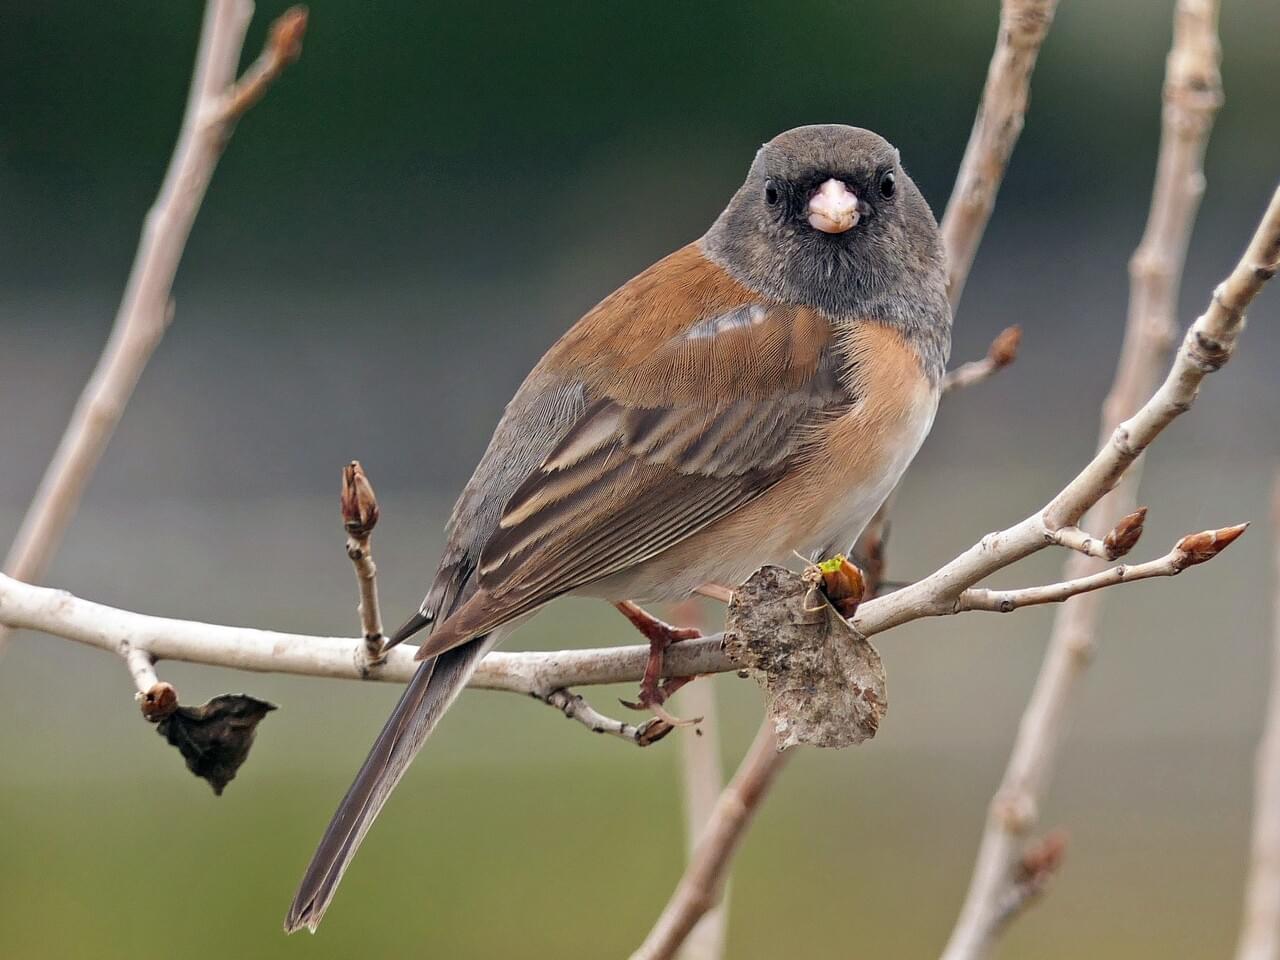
{"type": "Point", "coordinates": [214, 738]}
{"type": "Point", "coordinates": [823, 683]}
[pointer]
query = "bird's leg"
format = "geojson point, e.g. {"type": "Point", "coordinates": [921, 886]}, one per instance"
{"type": "Point", "coordinates": [653, 690]}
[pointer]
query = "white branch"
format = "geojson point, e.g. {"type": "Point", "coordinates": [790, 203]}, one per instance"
{"type": "Point", "coordinates": [58, 613]}
{"type": "Point", "coordinates": [141, 666]}
{"type": "Point", "coordinates": [1190, 550]}
{"type": "Point", "coordinates": [146, 308]}
{"type": "Point", "coordinates": [1192, 96]}
{"type": "Point", "coordinates": [575, 707]}
{"type": "Point", "coordinates": [1260, 931]}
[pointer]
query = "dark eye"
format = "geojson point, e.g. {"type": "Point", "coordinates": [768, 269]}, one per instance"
{"type": "Point", "coordinates": [770, 192]}
{"type": "Point", "coordinates": [888, 186]}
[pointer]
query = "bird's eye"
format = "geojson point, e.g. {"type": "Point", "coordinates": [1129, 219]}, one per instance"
{"type": "Point", "coordinates": [770, 192]}
{"type": "Point", "coordinates": [888, 186]}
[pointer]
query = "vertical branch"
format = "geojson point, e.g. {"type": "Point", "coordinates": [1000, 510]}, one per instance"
{"type": "Point", "coordinates": [1001, 112]}
{"type": "Point", "coordinates": [1260, 931]}
{"type": "Point", "coordinates": [1192, 96]}
{"type": "Point", "coordinates": [359, 517]}
{"type": "Point", "coordinates": [703, 781]}
{"type": "Point", "coordinates": [214, 104]}
{"type": "Point", "coordinates": [703, 882]}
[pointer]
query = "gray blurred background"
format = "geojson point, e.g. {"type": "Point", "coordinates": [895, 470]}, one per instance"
{"type": "Point", "coordinates": [412, 215]}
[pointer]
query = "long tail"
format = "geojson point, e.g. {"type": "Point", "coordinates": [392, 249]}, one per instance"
{"type": "Point", "coordinates": [430, 692]}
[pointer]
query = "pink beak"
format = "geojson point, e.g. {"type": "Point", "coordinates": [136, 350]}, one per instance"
{"type": "Point", "coordinates": [833, 208]}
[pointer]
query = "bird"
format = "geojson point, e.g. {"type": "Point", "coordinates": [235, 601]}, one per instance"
{"type": "Point", "coordinates": [758, 392]}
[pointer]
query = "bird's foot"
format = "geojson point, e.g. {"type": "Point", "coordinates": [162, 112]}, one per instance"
{"type": "Point", "coordinates": [654, 690]}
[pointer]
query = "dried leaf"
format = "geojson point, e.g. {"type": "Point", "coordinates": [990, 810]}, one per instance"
{"type": "Point", "coordinates": [214, 738]}
{"type": "Point", "coordinates": [823, 682]}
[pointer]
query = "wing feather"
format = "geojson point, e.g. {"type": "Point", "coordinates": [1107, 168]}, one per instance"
{"type": "Point", "coordinates": [692, 398]}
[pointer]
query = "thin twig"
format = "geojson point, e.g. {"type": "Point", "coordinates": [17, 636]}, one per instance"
{"type": "Point", "coordinates": [1001, 112]}
{"type": "Point", "coordinates": [575, 707]}
{"type": "Point", "coordinates": [1192, 96]}
{"type": "Point", "coordinates": [283, 47]}
{"type": "Point", "coordinates": [142, 668]}
{"type": "Point", "coordinates": [1187, 552]}
{"type": "Point", "coordinates": [1122, 538]}
{"type": "Point", "coordinates": [1002, 352]}
{"type": "Point", "coordinates": [146, 308]}
{"type": "Point", "coordinates": [359, 517]}
{"type": "Point", "coordinates": [700, 888]}
{"type": "Point", "coordinates": [1260, 929]}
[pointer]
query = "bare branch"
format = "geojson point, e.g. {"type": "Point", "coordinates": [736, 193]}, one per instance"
{"type": "Point", "coordinates": [139, 638]}
{"type": "Point", "coordinates": [1260, 930]}
{"type": "Point", "coordinates": [242, 648]}
{"type": "Point", "coordinates": [1192, 96]}
{"type": "Point", "coordinates": [1187, 552]}
{"type": "Point", "coordinates": [703, 882]}
{"type": "Point", "coordinates": [142, 667]}
{"type": "Point", "coordinates": [146, 308]}
{"type": "Point", "coordinates": [283, 47]}
{"type": "Point", "coordinates": [1023, 27]}
{"type": "Point", "coordinates": [575, 707]}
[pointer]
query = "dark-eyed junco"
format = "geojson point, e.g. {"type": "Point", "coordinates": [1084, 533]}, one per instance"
{"type": "Point", "coordinates": [757, 392]}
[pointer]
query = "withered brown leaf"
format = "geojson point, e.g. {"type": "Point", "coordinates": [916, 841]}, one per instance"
{"type": "Point", "coordinates": [214, 738]}
{"type": "Point", "coordinates": [823, 682]}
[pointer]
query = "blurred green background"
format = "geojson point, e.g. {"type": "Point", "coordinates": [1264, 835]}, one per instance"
{"type": "Point", "coordinates": [417, 210]}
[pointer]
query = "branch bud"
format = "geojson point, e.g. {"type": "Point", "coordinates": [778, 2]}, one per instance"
{"type": "Point", "coordinates": [1124, 535]}
{"type": "Point", "coordinates": [1200, 547]}
{"type": "Point", "coordinates": [287, 32]}
{"type": "Point", "coordinates": [1004, 348]}
{"type": "Point", "coordinates": [1040, 860]}
{"type": "Point", "coordinates": [359, 503]}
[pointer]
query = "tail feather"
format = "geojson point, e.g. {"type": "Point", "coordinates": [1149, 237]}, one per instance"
{"type": "Point", "coordinates": [430, 692]}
